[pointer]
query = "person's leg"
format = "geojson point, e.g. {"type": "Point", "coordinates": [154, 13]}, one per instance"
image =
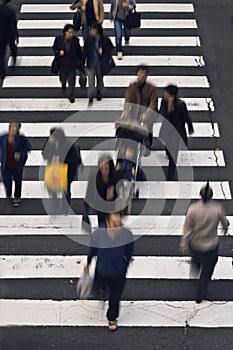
{"type": "Point", "coordinates": [172, 171]}
{"type": "Point", "coordinates": [85, 31]}
{"type": "Point", "coordinates": [91, 72]}
{"type": "Point", "coordinates": [3, 46]}
{"type": "Point", "coordinates": [127, 32]}
{"type": "Point", "coordinates": [18, 177]}
{"type": "Point", "coordinates": [116, 287]}
{"type": "Point", "coordinates": [71, 81]}
{"type": "Point", "coordinates": [7, 181]}
{"type": "Point", "coordinates": [118, 34]}
{"type": "Point", "coordinates": [208, 261]}
{"type": "Point", "coordinates": [67, 199]}
{"type": "Point", "coordinates": [14, 50]}
{"type": "Point", "coordinates": [100, 82]}
{"type": "Point", "coordinates": [63, 79]}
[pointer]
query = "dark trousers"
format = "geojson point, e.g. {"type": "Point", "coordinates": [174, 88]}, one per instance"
{"type": "Point", "coordinates": [14, 50]}
{"type": "Point", "coordinates": [95, 72]}
{"type": "Point", "coordinates": [206, 261]}
{"type": "Point", "coordinates": [10, 174]}
{"type": "Point", "coordinates": [115, 287]}
{"type": "Point", "coordinates": [3, 46]}
{"type": "Point", "coordinates": [54, 206]}
{"type": "Point", "coordinates": [69, 77]}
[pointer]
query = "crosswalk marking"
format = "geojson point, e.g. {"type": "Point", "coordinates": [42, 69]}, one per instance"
{"type": "Point", "coordinates": [109, 81]}
{"type": "Point", "coordinates": [148, 189]}
{"type": "Point", "coordinates": [149, 267]}
{"type": "Point", "coordinates": [63, 8]}
{"type": "Point", "coordinates": [181, 61]}
{"type": "Point", "coordinates": [56, 225]}
{"type": "Point", "coordinates": [83, 313]}
{"type": "Point", "coordinates": [157, 158]}
{"type": "Point", "coordinates": [192, 41]}
{"type": "Point", "coordinates": [107, 104]}
{"type": "Point", "coordinates": [107, 24]}
{"type": "Point", "coordinates": [102, 129]}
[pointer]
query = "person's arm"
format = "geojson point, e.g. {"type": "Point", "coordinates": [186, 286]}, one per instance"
{"type": "Point", "coordinates": [153, 106]}
{"type": "Point", "coordinates": [111, 9]}
{"type": "Point", "coordinates": [101, 12]}
{"type": "Point", "coordinates": [225, 223]}
{"type": "Point", "coordinates": [14, 29]}
{"type": "Point", "coordinates": [92, 252]}
{"type": "Point", "coordinates": [187, 232]}
{"type": "Point", "coordinates": [54, 47]}
{"type": "Point", "coordinates": [80, 65]}
{"type": "Point", "coordinates": [76, 5]}
{"type": "Point", "coordinates": [187, 118]}
{"type": "Point", "coordinates": [127, 104]}
{"type": "Point", "coordinates": [129, 249]}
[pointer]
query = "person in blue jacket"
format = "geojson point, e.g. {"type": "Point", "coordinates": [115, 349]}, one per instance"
{"type": "Point", "coordinates": [14, 149]}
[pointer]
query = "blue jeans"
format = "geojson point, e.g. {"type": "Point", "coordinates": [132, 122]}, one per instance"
{"type": "Point", "coordinates": [118, 23]}
{"type": "Point", "coordinates": [16, 174]}
{"type": "Point", "coordinates": [85, 31]}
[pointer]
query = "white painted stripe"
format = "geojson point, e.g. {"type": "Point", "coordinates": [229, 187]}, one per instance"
{"type": "Point", "coordinates": [153, 267]}
{"type": "Point", "coordinates": [101, 129]}
{"type": "Point", "coordinates": [181, 61]}
{"type": "Point", "coordinates": [107, 104]}
{"type": "Point", "coordinates": [83, 313]}
{"type": "Point", "coordinates": [64, 8]}
{"type": "Point", "coordinates": [162, 225]}
{"type": "Point", "coordinates": [157, 158]}
{"type": "Point", "coordinates": [109, 81]}
{"type": "Point", "coordinates": [145, 23]}
{"type": "Point", "coordinates": [148, 190]}
{"type": "Point", "coordinates": [192, 41]}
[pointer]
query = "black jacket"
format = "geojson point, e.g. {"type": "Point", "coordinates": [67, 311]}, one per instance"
{"type": "Point", "coordinates": [8, 24]}
{"type": "Point", "coordinates": [73, 58]}
{"type": "Point", "coordinates": [88, 51]}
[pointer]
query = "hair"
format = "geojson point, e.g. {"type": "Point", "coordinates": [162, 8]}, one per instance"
{"type": "Point", "coordinates": [206, 192]}
{"type": "Point", "coordinates": [98, 27]}
{"type": "Point", "coordinates": [172, 90]}
{"type": "Point", "coordinates": [68, 27]}
{"type": "Point", "coordinates": [144, 68]}
{"type": "Point", "coordinates": [15, 121]}
{"type": "Point", "coordinates": [107, 215]}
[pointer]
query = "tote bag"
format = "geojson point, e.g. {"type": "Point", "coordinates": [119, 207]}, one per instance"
{"type": "Point", "coordinates": [56, 177]}
{"type": "Point", "coordinates": [133, 20]}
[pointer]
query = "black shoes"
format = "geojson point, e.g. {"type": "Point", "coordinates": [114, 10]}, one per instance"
{"type": "Point", "coordinates": [99, 98]}
{"type": "Point", "coordinates": [72, 100]}
{"type": "Point", "coordinates": [90, 102]}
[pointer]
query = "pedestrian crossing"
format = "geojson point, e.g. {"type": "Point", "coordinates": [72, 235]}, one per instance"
{"type": "Point", "coordinates": [36, 248]}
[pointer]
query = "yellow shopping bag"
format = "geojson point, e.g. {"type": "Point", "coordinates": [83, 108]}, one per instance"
{"type": "Point", "coordinates": [56, 177]}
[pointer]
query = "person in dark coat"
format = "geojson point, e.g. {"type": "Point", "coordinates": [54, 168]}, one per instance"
{"type": "Point", "coordinates": [57, 149]}
{"type": "Point", "coordinates": [96, 48]}
{"type": "Point", "coordinates": [113, 246]}
{"type": "Point", "coordinates": [69, 53]}
{"type": "Point", "coordinates": [14, 149]}
{"type": "Point", "coordinates": [173, 130]}
{"type": "Point", "coordinates": [8, 35]}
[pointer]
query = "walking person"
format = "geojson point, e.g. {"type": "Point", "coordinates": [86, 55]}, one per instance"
{"type": "Point", "coordinates": [176, 117]}
{"type": "Point", "coordinates": [9, 35]}
{"type": "Point", "coordinates": [141, 102]}
{"type": "Point", "coordinates": [113, 246]}
{"type": "Point", "coordinates": [57, 149]}
{"type": "Point", "coordinates": [118, 12]}
{"type": "Point", "coordinates": [96, 48]}
{"type": "Point", "coordinates": [69, 53]}
{"type": "Point", "coordinates": [201, 237]}
{"type": "Point", "coordinates": [92, 12]}
{"type": "Point", "coordinates": [14, 149]}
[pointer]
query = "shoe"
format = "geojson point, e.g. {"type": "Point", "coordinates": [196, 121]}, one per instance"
{"type": "Point", "coordinates": [16, 202]}
{"type": "Point", "coordinates": [72, 100]}
{"type": "Point", "coordinates": [63, 87]}
{"type": "Point", "coordinates": [127, 42]}
{"type": "Point", "coordinates": [119, 55]}
{"type": "Point", "coordinates": [90, 102]}
{"type": "Point", "coordinates": [99, 98]}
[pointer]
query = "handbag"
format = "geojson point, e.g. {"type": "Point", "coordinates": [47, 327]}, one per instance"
{"type": "Point", "coordinates": [84, 286]}
{"type": "Point", "coordinates": [55, 66]}
{"type": "Point", "coordinates": [56, 176]}
{"type": "Point", "coordinates": [107, 64]}
{"type": "Point", "coordinates": [77, 19]}
{"type": "Point", "coordinates": [82, 80]}
{"type": "Point", "coordinates": [133, 20]}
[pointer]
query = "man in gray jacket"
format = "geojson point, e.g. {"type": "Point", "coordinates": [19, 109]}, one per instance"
{"type": "Point", "coordinates": [201, 237]}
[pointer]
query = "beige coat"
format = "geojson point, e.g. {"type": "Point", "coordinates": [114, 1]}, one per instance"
{"type": "Point", "coordinates": [98, 10]}
{"type": "Point", "coordinates": [201, 224]}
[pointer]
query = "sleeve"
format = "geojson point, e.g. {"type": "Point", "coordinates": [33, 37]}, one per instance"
{"type": "Point", "coordinates": [187, 118]}
{"type": "Point", "coordinates": [188, 229]}
{"type": "Point", "coordinates": [55, 47]}
{"type": "Point", "coordinates": [80, 57]}
{"type": "Point", "coordinates": [76, 5]}
{"type": "Point", "coordinates": [153, 106]}
{"type": "Point", "coordinates": [25, 147]}
{"type": "Point", "coordinates": [101, 11]}
{"type": "Point", "coordinates": [132, 5]}
{"type": "Point", "coordinates": [128, 94]}
{"type": "Point", "coordinates": [14, 29]}
{"type": "Point", "coordinates": [111, 9]}
{"type": "Point", "coordinates": [129, 249]}
{"type": "Point", "coordinates": [225, 223]}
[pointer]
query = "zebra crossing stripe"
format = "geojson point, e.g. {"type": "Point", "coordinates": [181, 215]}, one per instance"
{"type": "Point", "coordinates": [148, 190]}
{"type": "Point", "coordinates": [90, 313]}
{"type": "Point", "coordinates": [109, 81]}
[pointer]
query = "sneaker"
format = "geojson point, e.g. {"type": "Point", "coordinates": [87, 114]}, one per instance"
{"type": "Point", "coordinates": [119, 55]}
{"type": "Point", "coordinates": [16, 202]}
{"type": "Point", "coordinates": [90, 102]}
{"type": "Point", "coordinates": [72, 100]}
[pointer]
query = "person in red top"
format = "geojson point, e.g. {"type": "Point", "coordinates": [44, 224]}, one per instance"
{"type": "Point", "coordinates": [13, 155]}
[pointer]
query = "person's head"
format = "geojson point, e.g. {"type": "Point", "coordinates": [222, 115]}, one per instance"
{"type": "Point", "coordinates": [206, 192]}
{"type": "Point", "coordinates": [96, 30]}
{"type": "Point", "coordinates": [57, 134]}
{"type": "Point", "coordinates": [113, 220]}
{"type": "Point", "coordinates": [68, 31]}
{"type": "Point", "coordinates": [14, 127]}
{"type": "Point", "coordinates": [142, 74]}
{"type": "Point", "coordinates": [105, 165]}
{"type": "Point", "coordinates": [170, 93]}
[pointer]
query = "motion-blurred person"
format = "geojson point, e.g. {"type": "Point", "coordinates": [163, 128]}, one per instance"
{"type": "Point", "coordinates": [69, 53]}
{"type": "Point", "coordinates": [57, 149]}
{"type": "Point", "coordinates": [113, 246]}
{"type": "Point", "coordinates": [175, 112]}
{"type": "Point", "coordinates": [96, 48]}
{"type": "Point", "coordinates": [141, 101]}
{"type": "Point", "coordinates": [118, 12]}
{"type": "Point", "coordinates": [14, 149]}
{"type": "Point", "coordinates": [201, 237]}
{"type": "Point", "coordinates": [8, 35]}
{"type": "Point", "coordinates": [92, 12]}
